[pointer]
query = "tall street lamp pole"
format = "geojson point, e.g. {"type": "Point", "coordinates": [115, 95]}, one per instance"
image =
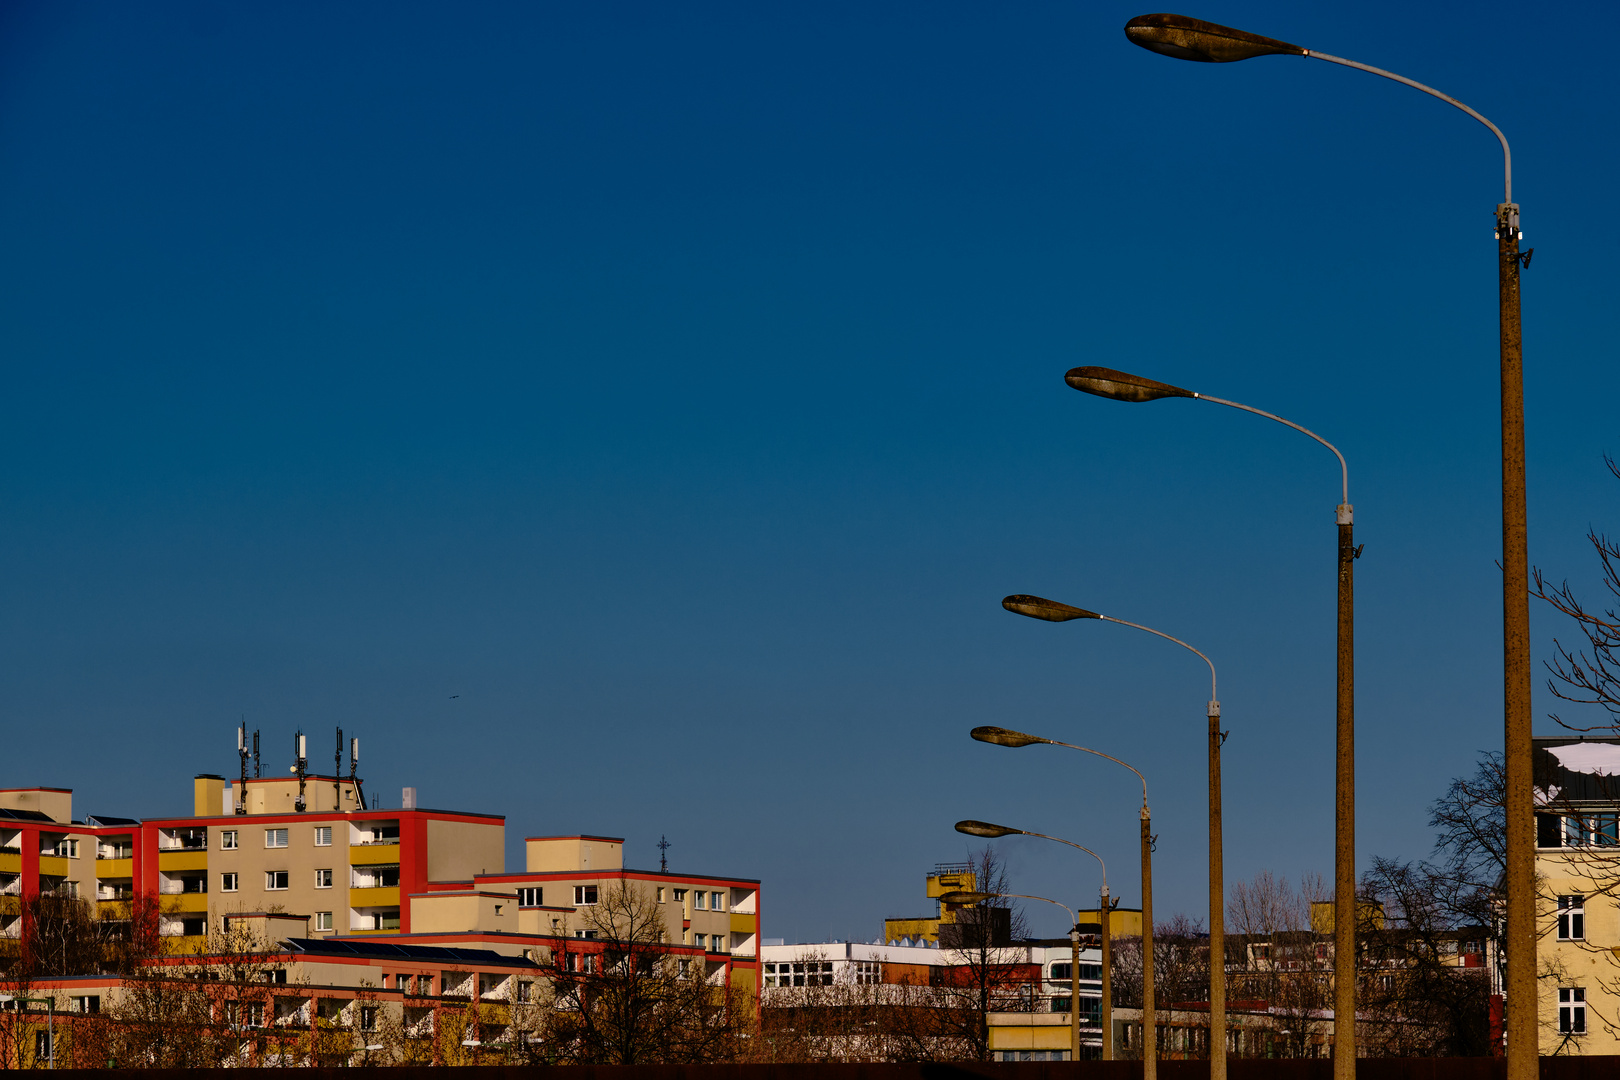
{"type": "Point", "coordinates": [1037, 607]}
{"type": "Point", "coordinates": [1108, 383]}
{"type": "Point", "coordinates": [1000, 736]}
{"type": "Point", "coordinates": [1193, 39]}
{"type": "Point", "coordinates": [965, 897]}
{"type": "Point", "coordinates": [984, 828]}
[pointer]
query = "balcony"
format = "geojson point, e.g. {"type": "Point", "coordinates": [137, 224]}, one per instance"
{"type": "Point", "coordinates": [373, 854]}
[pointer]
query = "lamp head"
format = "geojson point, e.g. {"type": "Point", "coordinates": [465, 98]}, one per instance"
{"type": "Point", "coordinates": [1206, 42]}
{"type": "Point", "coordinates": [963, 896]}
{"type": "Point", "coordinates": [1108, 383]}
{"type": "Point", "coordinates": [1003, 737]}
{"type": "Point", "coordinates": [1037, 607]}
{"type": "Point", "coordinates": [984, 828]}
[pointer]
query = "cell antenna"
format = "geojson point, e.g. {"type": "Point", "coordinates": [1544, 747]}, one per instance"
{"type": "Point", "coordinates": [354, 763]}
{"type": "Point", "coordinates": [300, 768]}
{"type": "Point", "coordinates": [663, 848]}
{"type": "Point", "coordinates": [242, 754]}
{"type": "Point", "coordinates": [256, 773]}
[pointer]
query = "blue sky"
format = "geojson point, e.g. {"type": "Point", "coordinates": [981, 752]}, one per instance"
{"type": "Point", "coordinates": [627, 417]}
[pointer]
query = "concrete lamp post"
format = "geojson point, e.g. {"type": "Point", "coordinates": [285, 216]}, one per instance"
{"type": "Point", "coordinates": [1185, 38]}
{"type": "Point", "coordinates": [984, 828]}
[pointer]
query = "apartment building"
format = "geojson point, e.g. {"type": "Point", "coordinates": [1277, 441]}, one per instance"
{"type": "Point", "coordinates": [1577, 791]}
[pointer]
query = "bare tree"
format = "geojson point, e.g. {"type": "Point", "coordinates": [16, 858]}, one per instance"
{"type": "Point", "coordinates": [1589, 673]}
{"type": "Point", "coordinates": [620, 997]}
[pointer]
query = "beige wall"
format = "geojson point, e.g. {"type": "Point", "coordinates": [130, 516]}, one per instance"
{"type": "Point", "coordinates": [459, 849]}
{"type": "Point", "coordinates": [54, 803]}
{"type": "Point", "coordinates": [465, 912]}
{"type": "Point", "coordinates": [549, 854]}
{"type": "Point", "coordinates": [250, 860]}
{"type": "Point", "coordinates": [1589, 963]}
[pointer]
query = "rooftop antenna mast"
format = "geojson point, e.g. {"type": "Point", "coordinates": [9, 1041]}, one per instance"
{"type": "Point", "coordinates": [354, 763]}
{"type": "Point", "coordinates": [337, 773]}
{"type": "Point", "coordinates": [301, 768]}
{"type": "Point", "coordinates": [242, 753]}
{"type": "Point", "coordinates": [256, 772]}
{"type": "Point", "coordinates": [663, 848]}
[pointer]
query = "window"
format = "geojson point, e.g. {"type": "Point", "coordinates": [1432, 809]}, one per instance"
{"type": "Point", "coordinates": [194, 927]}
{"type": "Point", "coordinates": [275, 838]}
{"type": "Point", "coordinates": [698, 897]}
{"type": "Point", "coordinates": [584, 894]}
{"type": "Point", "coordinates": [1607, 831]}
{"type": "Point", "coordinates": [660, 894]}
{"type": "Point", "coordinates": [588, 935]}
{"type": "Point", "coordinates": [323, 920]}
{"type": "Point", "coordinates": [228, 883]}
{"type": "Point", "coordinates": [368, 1018]}
{"type": "Point", "coordinates": [67, 849]}
{"type": "Point", "coordinates": [813, 973]}
{"type": "Point", "coordinates": [1577, 831]}
{"type": "Point", "coordinates": [683, 966]}
{"type": "Point", "coordinates": [275, 880]}
{"type": "Point", "coordinates": [1572, 1010]}
{"type": "Point", "coordinates": [868, 973]}
{"type": "Point", "coordinates": [90, 1003]}
{"type": "Point", "coordinates": [680, 896]}
{"type": "Point", "coordinates": [43, 1050]}
{"type": "Point", "coordinates": [1571, 918]}
{"type": "Point", "coordinates": [525, 990]}
{"type": "Point", "coordinates": [715, 903]}
{"type": "Point", "coordinates": [702, 941]}
{"type": "Point", "coordinates": [323, 836]}
{"type": "Point", "coordinates": [323, 879]}
{"type": "Point", "coordinates": [227, 840]}
{"type": "Point", "coordinates": [531, 897]}
{"type": "Point", "coordinates": [248, 1014]}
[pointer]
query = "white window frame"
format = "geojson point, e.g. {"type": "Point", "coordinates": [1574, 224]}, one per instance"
{"type": "Point", "coordinates": [1572, 918]}
{"type": "Point", "coordinates": [717, 901]}
{"type": "Point", "coordinates": [229, 882]}
{"type": "Point", "coordinates": [270, 878]}
{"type": "Point", "coordinates": [323, 836]}
{"type": "Point", "coordinates": [701, 941]}
{"type": "Point", "coordinates": [1572, 1010]}
{"type": "Point", "coordinates": [323, 880]}
{"type": "Point", "coordinates": [698, 899]}
{"type": "Point", "coordinates": [531, 896]}
{"type": "Point", "coordinates": [323, 920]}
{"type": "Point", "coordinates": [660, 894]}
{"type": "Point", "coordinates": [275, 838]}
{"type": "Point", "coordinates": [227, 840]}
{"type": "Point", "coordinates": [585, 895]}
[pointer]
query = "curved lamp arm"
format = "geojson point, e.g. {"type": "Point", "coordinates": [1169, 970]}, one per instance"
{"type": "Point", "coordinates": [1507, 155]}
{"type": "Point", "coordinates": [1006, 737]}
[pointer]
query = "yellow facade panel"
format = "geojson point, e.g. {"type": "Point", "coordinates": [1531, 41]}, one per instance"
{"type": "Point", "coordinates": [170, 861]}
{"type": "Point", "coordinates": [374, 897]}
{"type": "Point", "coordinates": [743, 923]}
{"type": "Point", "coordinates": [373, 854]}
{"type": "Point", "coordinates": [115, 868]}
{"type": "Point", "coordinates": [191, 901]}
{"type": "Point", "coordinates": [53, 866]}
{"type": "Point", "coordinates": [10, 862]}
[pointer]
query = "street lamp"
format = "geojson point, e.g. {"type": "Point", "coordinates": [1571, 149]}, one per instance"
{"type": "Point", "coordinates": [984, 828]}
{"type": "Point", "coordinates": [1037, 607]}
{"type": "Point", "coordinates": [963, 896]}
{"type": "Point", "coordinates": [1000, 736]}
{"type": "Point", "coordinates": [1108, 383]}
{"type": "Point", "coordinates": [1193, 39]}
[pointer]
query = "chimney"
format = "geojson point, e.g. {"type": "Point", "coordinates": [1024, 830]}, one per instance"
{"type": "Point", "coordinates": [208, 795]}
